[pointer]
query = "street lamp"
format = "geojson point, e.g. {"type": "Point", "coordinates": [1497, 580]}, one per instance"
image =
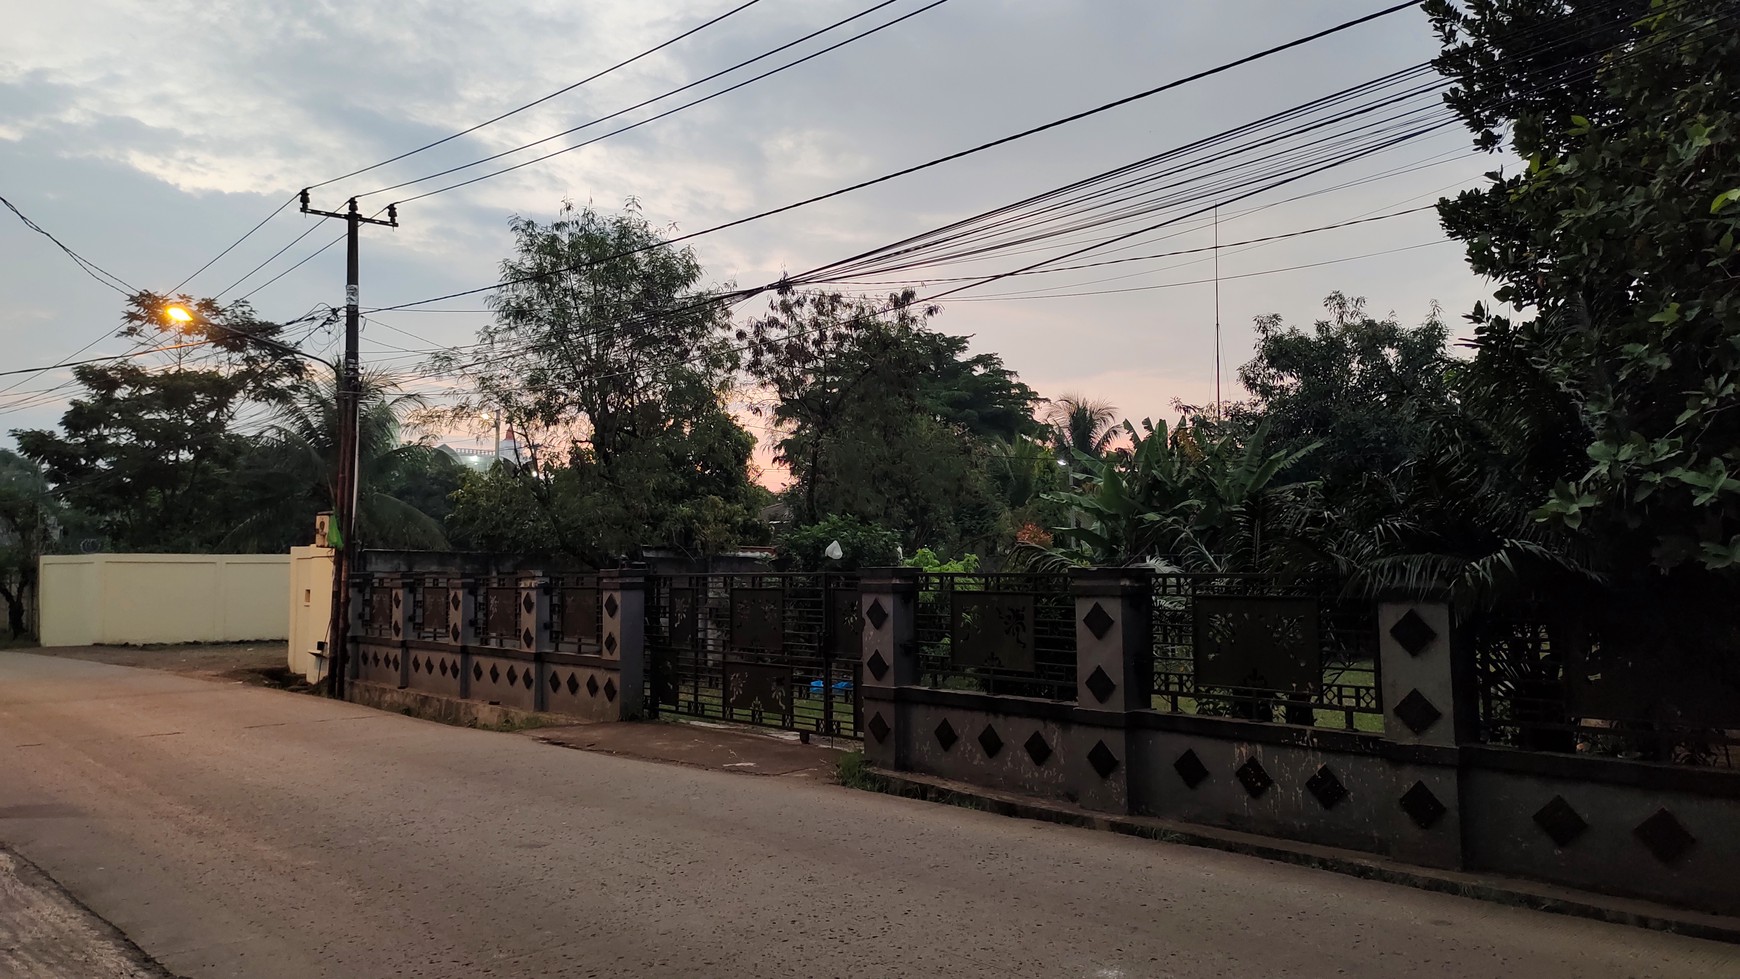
{"type": "Point", "coordinates": [344, 498]}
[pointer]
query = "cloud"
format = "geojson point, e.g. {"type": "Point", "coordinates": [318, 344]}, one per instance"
{"type": "Point", "coordinates": [152, 134]}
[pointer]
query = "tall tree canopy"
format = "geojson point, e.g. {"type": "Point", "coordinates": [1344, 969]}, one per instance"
{"type": "Point", "coordinates": [1620, 244]}
{"type": "Point", "coordinates": [1077, 423]}
{"type": "Point", "coordinates": [612, 362]}
{"type": "Point", "coordinates": [288, 472]}
{"type": "Point", "coordinates": [1365, 390]}
{"type": "Point", "coordinates": [883, 419]}
{"type": "Point", "coordinates": [146, 448]}
{"type": "Point", "coordinates": [220, 438]}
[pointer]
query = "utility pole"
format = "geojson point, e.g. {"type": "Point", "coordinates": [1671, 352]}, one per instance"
{"type": "Point", "coordinates": [345, 485]}
{"type": "Point", "coordinates": [1217, 408]}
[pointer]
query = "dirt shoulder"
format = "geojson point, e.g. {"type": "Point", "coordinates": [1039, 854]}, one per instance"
{"type": "Point", "coordinates": [46, 934]}
{"type": "Point", "coordinates": [261, 663]}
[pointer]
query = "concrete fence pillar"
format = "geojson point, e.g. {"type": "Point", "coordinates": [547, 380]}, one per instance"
{"type": "Point", "coordinates": [888, 604]}
{"type": "Point", "coordinates": [1114, 675]}
{"type": "Point", "coordinates": [462, 619]}
{"type": "Point", "coordinates": [1426, 712]}
{"type": "Point", "coordinates": [622, 610]}
{"type": "Point", "coordinates": [534, 614]}
{"type": "Point", "coordinates": [359, 594]}
{"type": "Point", "coordinates": [403, 621]}
{"type": "Point", "coordinates": [1419, 673]}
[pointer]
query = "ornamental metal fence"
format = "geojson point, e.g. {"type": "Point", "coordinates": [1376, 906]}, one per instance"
{"type": "Point", "coordinates": [779, 650]}
{"type": "Point", "coordinates": [1011, 634]}
{"type": "Point", "coordinates": [1251, 647]}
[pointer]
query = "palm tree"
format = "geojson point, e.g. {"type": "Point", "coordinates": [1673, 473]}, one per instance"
{"type": "Point", "coordinates": [290, 474]}
{"type": "Point", "coordinates": [1081, 424]}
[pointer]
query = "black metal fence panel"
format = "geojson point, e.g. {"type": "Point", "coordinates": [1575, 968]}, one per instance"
{"type": "Point", "coordinates": [576, 616]}
{"type": "Point", "coordinates": [501, 621]}
{"type": "Point", "coordinates": [1248, 646]}
{"type": "Point", "coordinates": [1560, 688]}
{"type": "Point", "coordinates": [436, 614]}
{"type": "Point", "coordinates": [1011, 634]}
{"type": "Point", "coordinates": [779, 650]}
{"type": "Point", "coordinates": [380, 601]}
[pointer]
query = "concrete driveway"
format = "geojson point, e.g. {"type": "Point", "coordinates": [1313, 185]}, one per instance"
{"type": "Point", "coordinates": [235, 831]}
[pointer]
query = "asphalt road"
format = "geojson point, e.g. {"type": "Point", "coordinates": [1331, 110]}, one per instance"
{"type": "Point", "coordinates": [237, 831]}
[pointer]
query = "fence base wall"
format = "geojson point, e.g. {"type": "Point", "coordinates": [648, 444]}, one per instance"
{"type": "Point", "coordinates": [1643, 830]}
{"type": "Point", "coordinates": [1299, 791]}
{"type": "Point", "coordinates": [1454, 808]}
{"type": "Point", "coordinates": [583, 688]}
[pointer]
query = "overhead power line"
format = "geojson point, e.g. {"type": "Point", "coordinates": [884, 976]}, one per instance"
{"type": "Point", "coordinates": [99, 360]}
{"type": "Point", "coordinates": [466, 132]}
{"type": "Point", "coordinates": [1172, 254]}
{"type": "Point", "coordinates": [669, 112]}
{"type": "Point", "coordinates": [1106, 107]}
{"type": "Point", "coordinates": [1390, 135]}
{"type": "Point", "coordinates": [1047, 294]}
{"type": "Point", "coordinates": [89, 267]}
{"type": "Point", "coordinates": [636, 125]}
{"type": "Point", "coordinates": [539, 101]}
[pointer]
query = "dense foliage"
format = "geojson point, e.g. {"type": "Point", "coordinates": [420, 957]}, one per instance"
{"type": "Point", "coordinates": [885, 420]}
{"type": "Point", "coordinates": [613, 365]}
{"type": "Point", "coordinates": [29, 522]}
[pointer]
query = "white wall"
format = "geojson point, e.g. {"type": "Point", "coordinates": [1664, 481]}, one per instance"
{"type": "Point", "coordinates": [163, 598]}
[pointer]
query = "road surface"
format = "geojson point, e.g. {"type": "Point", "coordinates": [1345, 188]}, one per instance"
{"type": "Point", "coordinates": [235, 831]}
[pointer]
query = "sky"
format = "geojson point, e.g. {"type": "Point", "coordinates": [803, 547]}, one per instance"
{"type": "Point", "coordinates": [148, 136]}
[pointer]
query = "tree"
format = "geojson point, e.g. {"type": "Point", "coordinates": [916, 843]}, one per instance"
{"type": "Point", "coordinates": [1026, 474]}
{"type": "Point", "coordinates": [1364, 389]}
{"type": "Point", "coordinates": [145, 451]}
{"type": "Point", "coordinates": [884, 419]}
{"type": "Point", "coordinates": [288, 472]}
{"type": "Point", "coordinates": [1221, 504]}
{"type": "Point", "coordinates": [612, 363]}
{"type": "Point", "coordinates": [1622, 237]}
{"type": "Point", "coordinates": [1080, 424]}
{"type": "Point", "coordinates": [29, 523]}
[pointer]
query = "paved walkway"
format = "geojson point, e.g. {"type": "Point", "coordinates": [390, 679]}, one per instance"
{"type": "Point", "coordinates": [238, 831]}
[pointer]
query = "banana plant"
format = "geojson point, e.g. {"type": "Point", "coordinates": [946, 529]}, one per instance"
{"type": "Point", "coordinates": [1219, 504]}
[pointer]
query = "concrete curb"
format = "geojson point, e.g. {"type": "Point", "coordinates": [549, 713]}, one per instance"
{"type": "Point", "coordinates": [1499, 890]}
{"type": "Point", "coordinates": [448, 710]}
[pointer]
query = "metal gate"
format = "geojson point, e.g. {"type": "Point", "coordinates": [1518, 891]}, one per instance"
{"type": "Point", "coordinates": [779, 650]}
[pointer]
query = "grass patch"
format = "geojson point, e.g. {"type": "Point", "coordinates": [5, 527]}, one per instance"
{"type": "Point", "coordinates": [511, 725]}
{"type": "Point", "coordinates": [855, 773]}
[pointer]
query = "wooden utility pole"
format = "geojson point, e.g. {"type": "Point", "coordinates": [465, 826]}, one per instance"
{"type": "Point", "coordinates": [346, 482]}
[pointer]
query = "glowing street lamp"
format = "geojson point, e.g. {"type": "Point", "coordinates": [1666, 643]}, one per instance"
{"type": "Point", "coordinates": [179, 314]}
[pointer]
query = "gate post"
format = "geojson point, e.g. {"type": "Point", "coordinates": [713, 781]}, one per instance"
{"type": "Point", "coordinates": [1420, 693]}
{"type": "Point", "coordinates": [533, 616]}
{"type": "Point", "coordinates": [888, 602]}
{"type": "Point", "coordinates": [359, 586]}
{"type": "Point", "coordinates": [1114, 669]}
{"type": "Point", "coordinates": [404, 620]}
{"type": "Point", "coordinates": [1423, 715]}
{"type": "Point", "coordinates": [467, 630]}
{"type": "Point", "coordinates": [622, 604]}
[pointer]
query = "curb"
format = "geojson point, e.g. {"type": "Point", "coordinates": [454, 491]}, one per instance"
{"type": "Point", "coordinates": [1497, 890]}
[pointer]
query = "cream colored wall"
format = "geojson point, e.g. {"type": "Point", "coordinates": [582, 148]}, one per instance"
{"type": "Point", "coordinates": [310, 609]}
{"type": "Point", "coordinates": [67, 589]}
{"type": "Point", "coordinates": [163, 598]}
